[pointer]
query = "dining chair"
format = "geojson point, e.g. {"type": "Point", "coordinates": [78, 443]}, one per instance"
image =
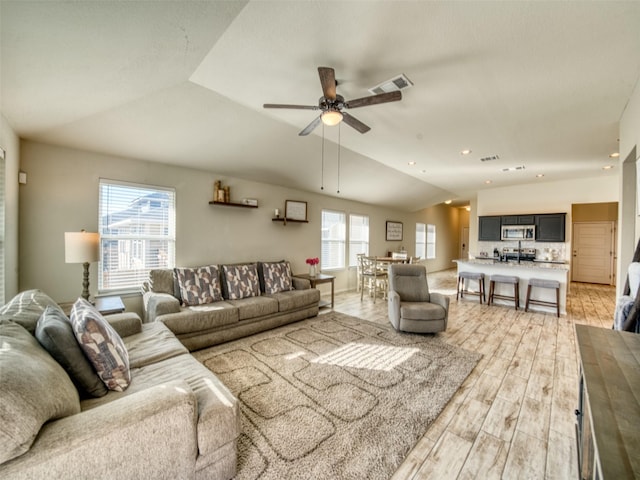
{"type": "Point", "coordinates": [371, 275]}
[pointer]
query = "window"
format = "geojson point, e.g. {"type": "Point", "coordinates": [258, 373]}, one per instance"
{"type": "Point", "coordinates": [333, 240]}
{"type": "Point", "coordinates": [137, 225]}
{"type": "Point", "coordinates": [358, 237]}
{"type": "Point", "coordinates": [431, 241]}
{"type": "Point", "coordinates": [421, 240]}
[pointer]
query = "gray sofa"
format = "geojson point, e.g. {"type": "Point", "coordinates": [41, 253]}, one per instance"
{"type": "Point", "coordinates": [215, 322]}
{"type": "Point", "coordinates": [175, 420]}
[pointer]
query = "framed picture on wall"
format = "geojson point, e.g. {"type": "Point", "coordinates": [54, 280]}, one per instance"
{"type": "Point", "coordinates": [295, 210]}
{"type": "Point", "coordinates": [394, 231]}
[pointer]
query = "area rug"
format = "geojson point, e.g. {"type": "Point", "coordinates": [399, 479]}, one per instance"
{"type": "Point", "coordinates": [335, 397]}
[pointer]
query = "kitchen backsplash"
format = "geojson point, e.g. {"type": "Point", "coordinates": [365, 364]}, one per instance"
{"type": "Point", "coordinates": [557, 250]}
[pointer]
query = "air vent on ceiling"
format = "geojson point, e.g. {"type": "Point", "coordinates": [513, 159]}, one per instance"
{"type": "Point", "coordinates": [488, 159]}
{"type": "Point", "coordinates": [399, 82]}
{"type": "Point", "coordinates": [513, 169]}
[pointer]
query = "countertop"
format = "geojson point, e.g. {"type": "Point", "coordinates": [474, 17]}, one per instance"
{"type": "Point", "coordinates": [514, 263]}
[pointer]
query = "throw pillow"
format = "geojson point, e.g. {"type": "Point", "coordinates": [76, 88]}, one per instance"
{"type": "Point", "coordinates": [199, 286]}
{"type": "Point", "coordinates": [102, 345]}
{"type": "Point", "coordinates": [277, 277]}
{"type": "Point", "coordinates": [35, 389]}
{"type": "Point", "coordinates": [26, 307]}
{"type": "Point", "coordinates": [242, 280]}
{"type": "Point", "coordinates": [55, 334]}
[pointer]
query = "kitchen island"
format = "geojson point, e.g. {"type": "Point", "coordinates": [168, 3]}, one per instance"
{"type": "Point", "coordinates": [524, 271]}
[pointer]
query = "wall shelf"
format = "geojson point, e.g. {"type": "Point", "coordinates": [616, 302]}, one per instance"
{"type": "Point", "coordinates": [231, 204]}
{"type": "Point", "coordinates": [288, 220]}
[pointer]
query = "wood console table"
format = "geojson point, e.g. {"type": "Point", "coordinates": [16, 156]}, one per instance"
{"type": "Point", "coordinates": [320, 278]}
{"type": "Point", "coordinates": [608, 415]}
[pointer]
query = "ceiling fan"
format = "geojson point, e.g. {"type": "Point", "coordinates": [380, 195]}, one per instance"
{"type": "Point", "coordinates": [333, 105]}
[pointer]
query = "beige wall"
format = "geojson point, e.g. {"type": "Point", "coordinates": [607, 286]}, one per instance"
{"type": "Point", "coordinates": [10, 143]}
{"type": "Point", "coordinates": [62, 195]}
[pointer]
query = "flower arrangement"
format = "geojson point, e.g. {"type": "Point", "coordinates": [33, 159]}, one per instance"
{"type": "Point", "coordinates": [313, 261]}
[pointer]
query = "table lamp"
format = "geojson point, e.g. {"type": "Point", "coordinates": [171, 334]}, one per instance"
{"type": "Point", "coordinates": [82, 247]}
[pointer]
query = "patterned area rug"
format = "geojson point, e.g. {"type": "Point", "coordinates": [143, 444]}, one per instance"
{"type": "Point", "coordinates": [335, 397]}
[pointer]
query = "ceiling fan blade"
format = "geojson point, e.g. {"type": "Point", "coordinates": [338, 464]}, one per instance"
{"type": "Point", "coordinates": [374, 99]}
{"type": "Point", "coordinates": [298, 107]}
{"type": "Point", "coordinates": [309, 128]}
{"type": "Point", "coordinates": [328, 82]}
{"type": "Point", "coordinates": [355, 123]}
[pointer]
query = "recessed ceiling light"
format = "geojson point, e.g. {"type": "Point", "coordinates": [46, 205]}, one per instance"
{"type": "Point", "coordinates": [465, 152]}
{"type": "Point", "coordinates": [487, 182]}
{"type": "Point", "coordinates": [447, 202]}
{"type": "Point", "coordinates": [614, 155]}
{"type": "Point", "coordinates": [607, 167]}
{"type": "Point", "coordinates": [468, 209]}
{"type": "Point", "coordinates": [540, 175]}
{"type": "Point", "coordinates": [411, 164]}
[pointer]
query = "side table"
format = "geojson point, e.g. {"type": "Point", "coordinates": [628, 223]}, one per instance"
{"type": "Point", "coordinates": [318, 279]}
{"type": "Point", "coordinates": [109, 305]}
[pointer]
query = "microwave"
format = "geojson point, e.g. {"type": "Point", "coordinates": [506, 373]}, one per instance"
{"type": "Point", "coordinates": [518, 232]}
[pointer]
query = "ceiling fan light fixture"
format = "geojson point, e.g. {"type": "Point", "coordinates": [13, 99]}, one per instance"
{"type": "Point", "coordinates": [331, 118]}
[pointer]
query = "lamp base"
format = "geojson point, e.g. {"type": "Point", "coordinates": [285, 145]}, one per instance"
{"type": "Point", "coordinates": [85, 281]}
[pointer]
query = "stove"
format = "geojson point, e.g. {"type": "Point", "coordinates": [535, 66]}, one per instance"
{"type": "Point", "coordinates": [525, 254]}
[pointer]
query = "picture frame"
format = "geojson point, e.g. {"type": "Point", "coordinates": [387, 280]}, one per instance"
{"type": "Point", "coordinates": [394, 231]}
{"type": "Point", "coordinates": [295, 210]}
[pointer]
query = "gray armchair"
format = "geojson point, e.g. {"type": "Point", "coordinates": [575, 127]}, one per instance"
{"type": "Point", "coordinates": [411, 307]}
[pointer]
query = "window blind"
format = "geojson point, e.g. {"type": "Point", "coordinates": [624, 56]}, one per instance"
{"type": "Point", "coordinates": [333, 240]}
{"type": "Point", "coordinates": [137, 233]}
{"type": "Point", "coordinates": [431, 241]}
{"type": "Point", "coordinates": [358, 237]}
{"type": "Point", "coordinates": [421, 240]}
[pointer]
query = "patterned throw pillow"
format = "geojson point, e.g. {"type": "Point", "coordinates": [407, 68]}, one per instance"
{"type": "Point", "coordinates": [102, 345]}
{"type": "Point", "coordinates": [277, 277]}
{"type": "Point", "coordinates": [242, 280]}
{"type": "Point", "coordinates": [199, 285]}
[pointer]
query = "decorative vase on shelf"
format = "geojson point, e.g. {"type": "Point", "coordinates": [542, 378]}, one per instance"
{"type": "Point", "coordinates": [312, 270]}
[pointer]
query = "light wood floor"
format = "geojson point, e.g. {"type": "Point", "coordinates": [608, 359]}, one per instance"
{"type": "Point", "coordinates": [513, 418]}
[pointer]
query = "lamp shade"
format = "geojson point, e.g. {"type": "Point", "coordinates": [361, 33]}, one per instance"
{"type": "Point", "coordinates": [81, 247]}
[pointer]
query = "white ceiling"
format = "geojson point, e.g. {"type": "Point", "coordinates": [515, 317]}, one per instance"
{"type": "Point", "coordinates": [540, 84]}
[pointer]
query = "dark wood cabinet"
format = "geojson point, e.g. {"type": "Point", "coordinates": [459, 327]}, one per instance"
{"type": "Point", "coordinates": [489, 228]}
{"type": "Point", "coordinates": [518, 219]}
{"type": "Point", "coordinates": [550, 227]}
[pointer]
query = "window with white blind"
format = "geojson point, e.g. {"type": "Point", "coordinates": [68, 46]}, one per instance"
{"type": "Point", "coordinates": [358, 237]}
{"type": "Point", "coordinates": [431, 241]}
{"type": "Point", "coordinates": [137, 225]}
{"type": "Point", "coordinates": [333, 240]}
{"type": "Point", "coordinates": [421, 240]}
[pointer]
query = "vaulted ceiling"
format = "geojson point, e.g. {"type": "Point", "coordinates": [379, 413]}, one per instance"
{"type": "Point", "coordinates": [540, 85]}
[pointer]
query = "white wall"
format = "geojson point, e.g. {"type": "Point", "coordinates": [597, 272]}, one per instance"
{"type": "Point", "coordinates": [10, 143]}
{"type": "Point", "coordinates": [62, 195]}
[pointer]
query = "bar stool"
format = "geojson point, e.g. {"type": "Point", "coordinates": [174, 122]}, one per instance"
{"type": "Point", "coordinates": [508, 279]}
{"type": "Point", "coordinates": [479, 277]}
{"type": "Point", "coordinates": [541, 283]}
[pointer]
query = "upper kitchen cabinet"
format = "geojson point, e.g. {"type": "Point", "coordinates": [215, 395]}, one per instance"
{"type": "Point", "coordinates": [550, 227]}
{"type": "Point", "coordinates": [518, 219]}
{"type": "Point", "coordinates": [489, 228]}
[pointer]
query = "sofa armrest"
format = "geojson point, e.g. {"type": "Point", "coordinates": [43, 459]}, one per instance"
{"type": "Point", "coordinates": [156, 304]}
{"type": "Point", "coordinates": [127, 323]}
{"type": "Point", "coordinates": [148, 434]}
{"type": "Point", "coordinates": [443, 301]}
{"type": "Point", "coordinates": [393, 303]}
{"type": "Point", "coordinates": [300, 283]}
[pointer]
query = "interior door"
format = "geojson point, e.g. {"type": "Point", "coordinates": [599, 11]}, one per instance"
{"type": "Point", "coordinates": [593, 252]}
{"type": "Point", "coordinates": [464, 242]}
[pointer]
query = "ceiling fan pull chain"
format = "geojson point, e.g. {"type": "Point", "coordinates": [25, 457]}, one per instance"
{"type": "Point", "coordinates": [322, 173]}
{"type": "Point", "coordinates": [338, 158]}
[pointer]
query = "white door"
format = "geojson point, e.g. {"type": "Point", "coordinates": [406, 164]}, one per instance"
{"type": "Point", "coordinates": [464, 242]}
{"type": "Point", "coordinates": [593, 252]}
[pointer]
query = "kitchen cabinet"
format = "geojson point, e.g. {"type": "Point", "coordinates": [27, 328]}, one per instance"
{"type": "Point", "coordinates": [518, 220]}
{"type": "Point", "coordinates": [489, 228]}
{"type": "Point", "coordinates": [550, 227]}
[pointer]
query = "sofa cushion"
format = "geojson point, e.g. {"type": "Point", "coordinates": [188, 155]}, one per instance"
{"type": "Point", "coordinates": [154, 343]}
{"type": "Point", "coordinates": [200, 318]}
{"type": "Point", "coordinates": [241, 280]}
{"type": "Point", "coordinates": [55, 334]}
{"type": "Point", "coordinates": [101, 344]}
{"type": "Point", "coordinates": [275, 277]}
{"type": "Point", "coordinates": [296, 299]}
{"type": "Point", "coordinates": [161, 280]}
{"type": "Point", "coordinates": [26, 307]}
{"type": "Point", "coordinates": [35, 389]}
{"type": "Point", "coordinates": [199, 286]}
{"type": "Point", "coordinates": [255, 307]}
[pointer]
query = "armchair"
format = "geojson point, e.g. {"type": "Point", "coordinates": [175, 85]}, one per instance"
{"type": "Point", "coordinates": [412, 308]}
